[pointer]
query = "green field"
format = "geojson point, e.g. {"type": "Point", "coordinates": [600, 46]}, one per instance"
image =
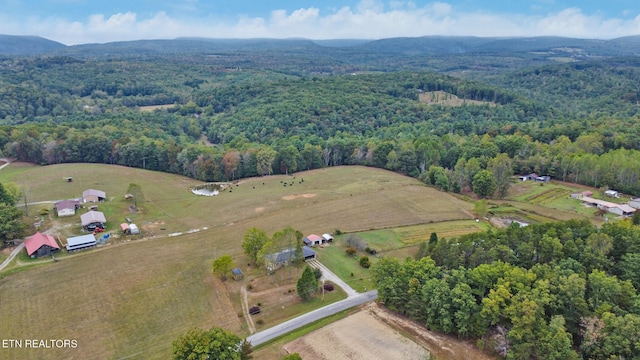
{"type": "Point", "coordinates": [133, 297]}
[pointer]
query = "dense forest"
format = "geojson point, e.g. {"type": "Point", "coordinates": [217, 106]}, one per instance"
{"type": "Point", "coordinates": [547, 291]}
{"type": "Point", "coordinates": [224, 110]}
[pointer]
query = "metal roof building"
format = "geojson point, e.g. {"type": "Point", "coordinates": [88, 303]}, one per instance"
{"type": "Point", "coordinates": [81, 242]}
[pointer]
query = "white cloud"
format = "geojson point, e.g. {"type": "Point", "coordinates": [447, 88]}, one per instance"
{"type": "Point", "coordinates": [370, 19]}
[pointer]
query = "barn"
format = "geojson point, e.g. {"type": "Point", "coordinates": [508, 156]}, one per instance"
{"type": "Point", "coordinates": [92, 195]}
{"type": "Point", "coordinates": [41, 245]}
{"type": "Point", "coordinates": [66, 207]}
{"type": "Point", "coordinates": [81, 242]}
{"type": "Point", "coordinates": [93, 219]}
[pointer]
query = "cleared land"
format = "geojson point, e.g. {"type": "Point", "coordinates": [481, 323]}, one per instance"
{"type": "Point", "coordinates": [375, 333]}
{"type": "Point", "coordinates": [448, 99]}
{"type": "Point", "coordinates": [132, 299]}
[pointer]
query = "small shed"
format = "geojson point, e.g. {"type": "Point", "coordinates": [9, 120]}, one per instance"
{"type": "Point", "coordinates": [125, 228]}
{"type": "Point", "coordinates": [237, 274]}
{"type": "Point", "coordinates": [92, 195]}
{"type": "Point", "coordinates": [612, 193]}
{"type": "Point", "coordinates": [41, 245]}
{"type": "Point", "coordinates": [327, 238]}
{"type": "Point", "coordinates": [133, 229]}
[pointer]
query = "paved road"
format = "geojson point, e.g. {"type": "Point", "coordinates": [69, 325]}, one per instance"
{"type": "Point", "coordinates": [13, 254]}
{"type": "Point", "coordinates": [288, 326]}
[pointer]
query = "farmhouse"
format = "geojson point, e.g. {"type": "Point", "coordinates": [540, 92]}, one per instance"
{"type": "Point", "coordinates": [313, 240]}
{"type": "Point", "coordinates": [92, 195]}
{"type": "Point", "coordinates": [535, 177]}
{"type": "Point", "coordinates": [635, 203]}
{"type": "Point", "coordinates": [81, 242]}
{"type": "Point", "coordinates": [66, 207]}
{"type": "Point", "coordinates": [284, 257]}
{"type": "Point", "coordinates": [92, 220]}
{"type": "Point", "coordinates": [41, 245]}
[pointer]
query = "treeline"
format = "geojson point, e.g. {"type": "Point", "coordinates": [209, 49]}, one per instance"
{"type": "Point", "coordinates": [550, 291]}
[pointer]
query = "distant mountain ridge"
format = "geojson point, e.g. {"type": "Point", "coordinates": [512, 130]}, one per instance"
{"type": "Point", "coordinates": [425, 45]}
{"type": "Point", "coordinates": [27, 45]}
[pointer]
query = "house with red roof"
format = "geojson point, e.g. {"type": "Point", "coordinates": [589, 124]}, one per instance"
{"type": "Point", "coordinates": [41, 245]}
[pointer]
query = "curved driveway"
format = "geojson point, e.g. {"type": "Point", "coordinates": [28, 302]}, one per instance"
{"type": "Point", "coordinates": [353, 299]}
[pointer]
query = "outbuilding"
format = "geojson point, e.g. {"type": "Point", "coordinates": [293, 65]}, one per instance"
{"type": "Point", "coordinates": [237, 274]}
{"type": "Point", "coordinates": [612, 193]}
{"type": "Point", "coordinates": [635, 203]}
{"type": "Point", "coordinates": [81, 242]}
{"type": "Point", "coordinates": [92, 195]}
{"type": "Point", "coordinates": [93, 219]}
{"type": "Point", "coordinates": [41, 245]}
{"type": "Point", "coordinates": [284, 257]}
{"type": "Point", "coordinates": [313, 240]}
{"type": "Point", "coordinates": [327, 238]}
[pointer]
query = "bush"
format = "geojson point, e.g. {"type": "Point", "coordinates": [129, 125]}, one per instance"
{"type": "Point", "coordinates": [260, 322]}
{"type": "Point", "coordinates": [328, 287]}
{"type": "Point", "coordinates": [254, 310]}
{"type": "Point", "coordinates": [371, 251]}
{"type": "Point", "coordinates": [350, 251]}
{"type": "Point", "coordinates": [364, 262]}
{"type": "Point", "coordinates": [317, 273]}
{"type": "Point", "coordinates": [338, 232]}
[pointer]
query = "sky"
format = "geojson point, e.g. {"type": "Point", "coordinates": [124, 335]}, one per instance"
{"type": "Point", "coordinates": [74, 22]}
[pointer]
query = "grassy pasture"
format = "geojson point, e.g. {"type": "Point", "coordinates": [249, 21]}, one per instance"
{"type": "Point", "coordinates": [132, 299]}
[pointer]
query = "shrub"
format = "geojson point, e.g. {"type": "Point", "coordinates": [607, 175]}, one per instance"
{"type": "Point", "coordinates": [260, 322]}
{"type": "Point", "coordinates": [364, 262]}
{"type": "Point", "coordinates": [328, 287]}
{"type": "Point", "coordinates": [249, 286]}
{"type": "Point", "coordinates": [254, 310]}
{"type": "Point", "coordinates": [350, 251]}
{"type": "Point", "coordinates": [338, 232]}
{"type": "Point", "coordinates": [317, 273]}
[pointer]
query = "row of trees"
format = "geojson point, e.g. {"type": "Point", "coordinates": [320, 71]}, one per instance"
{"type": "Point", "coordinates": [553, 291]}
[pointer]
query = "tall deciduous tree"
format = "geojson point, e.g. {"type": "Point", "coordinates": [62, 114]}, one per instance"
{"type": "Point", "coordinates": [484, 183]}
{"type": "Point", "coordinates": [253, 241]}
{"type": "Point", "coordinates": [11, 226]}
{"type": "Point", "coordinates": [502, 168]}
{"type": "Point", "coordinates": [222, 266]}
{"type": "Point", "coordinates": [136, 191]}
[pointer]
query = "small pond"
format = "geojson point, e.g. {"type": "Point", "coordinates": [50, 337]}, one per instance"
{"type": "Point", "coordinates": [209, 189]}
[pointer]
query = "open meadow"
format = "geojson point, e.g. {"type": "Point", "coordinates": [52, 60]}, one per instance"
{"type": "Point", "coordinates": [131, 299]}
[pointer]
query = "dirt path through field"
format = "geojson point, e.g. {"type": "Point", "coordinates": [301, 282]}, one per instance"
{"type": "Point", "coordinates": [245, 309]}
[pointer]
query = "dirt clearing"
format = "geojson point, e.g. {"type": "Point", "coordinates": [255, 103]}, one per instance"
{"type": "Point", "coordinates": [376, 333]}
{"type": "Point", "coordinates": [298, 196]}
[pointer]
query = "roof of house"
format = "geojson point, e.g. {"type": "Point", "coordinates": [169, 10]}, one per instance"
{"type": "Point", "coordinates": [236, 271]}
{"type": "Point", "coordinates": [66, 204]}
{"type": "Point", "coordinates": [92, 217]}
{"type": "Point", "coordinates": [36, 241]}
{"type": "Point", "coordinates": [82, 239]}
{"type": "Point", "coordinates": [289, 254]}
{"type": "Point", "coordinates": [93, 192]}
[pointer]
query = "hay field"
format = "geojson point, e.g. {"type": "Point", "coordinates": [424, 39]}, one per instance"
{"type": "Point", "coordinates": [131, 300]}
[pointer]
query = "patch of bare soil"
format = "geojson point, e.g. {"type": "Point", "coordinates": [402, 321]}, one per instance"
{"type": "Point", "coordinates": [298, 196]}
{"type": "Point", "coordinates": [360, 336]}
{"type": "Point", "coordinates": [376, 333]}
{"type": "Point", "coordinates": [259, 209]}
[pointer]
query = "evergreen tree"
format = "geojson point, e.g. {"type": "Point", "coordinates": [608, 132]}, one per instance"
{"type": "Point", "coordinates": [307, 284]}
